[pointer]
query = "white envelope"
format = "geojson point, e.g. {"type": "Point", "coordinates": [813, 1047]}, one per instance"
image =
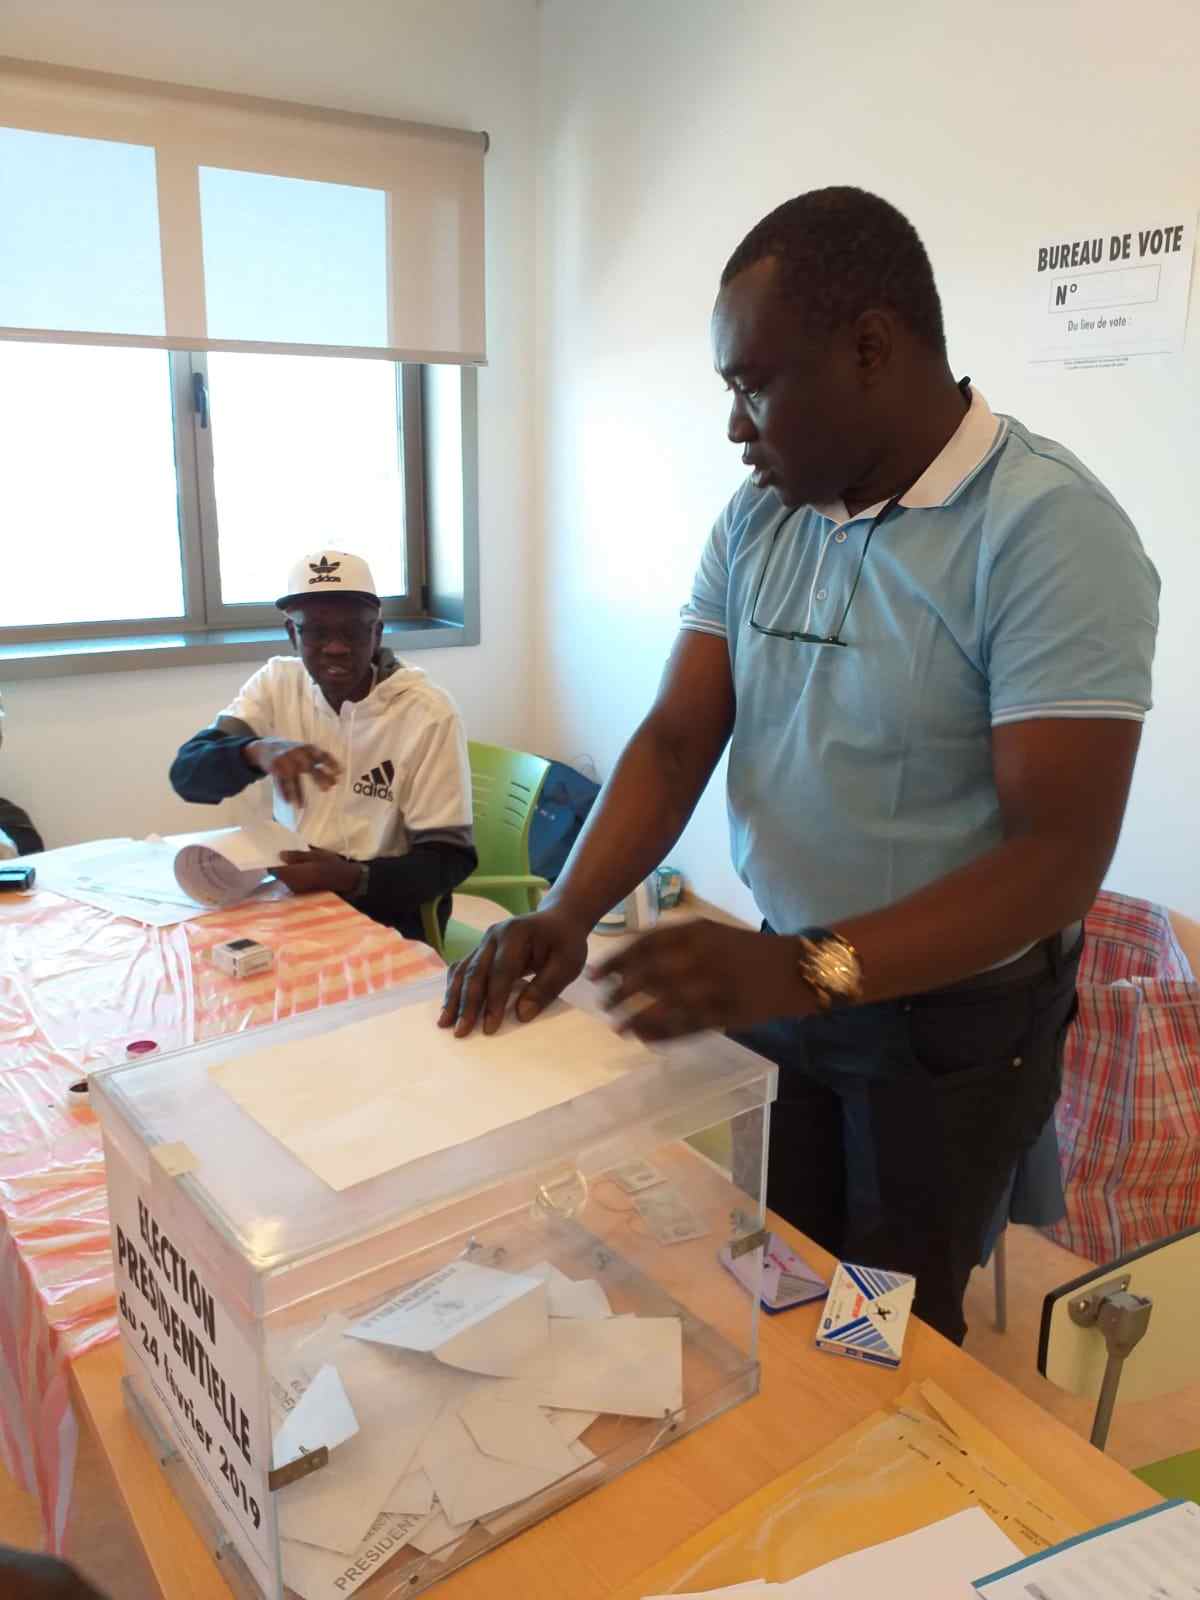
{"type": "Point", "coordinates": [398, 1399]}
{"type": "Point", "coordinates": [325, 1575]}
{"type": "Point", "coordinates": [631, 1366]}
{"type": "Point", "coordinates": [468, 1316]}
{"type": "Point", "coordinates": [412, 1496]}
{"type": "Point", "coordinates": [517, 1433]}
{"type": "Point", "coordinates": [571, 1297]}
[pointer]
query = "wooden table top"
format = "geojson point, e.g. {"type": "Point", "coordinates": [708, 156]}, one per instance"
{"type": "Point", "coordinates": [606, 1538]}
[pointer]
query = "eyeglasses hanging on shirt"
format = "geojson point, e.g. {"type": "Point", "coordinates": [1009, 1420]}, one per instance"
{"type": "Point", "coordinates": [801, 636]}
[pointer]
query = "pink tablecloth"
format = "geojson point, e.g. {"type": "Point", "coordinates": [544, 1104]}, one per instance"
{"type": "Point", "coordinates": [76, 985]}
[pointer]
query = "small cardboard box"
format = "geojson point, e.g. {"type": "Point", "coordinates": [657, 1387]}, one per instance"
{"type": "Point", "coordinates": [866, 1314]}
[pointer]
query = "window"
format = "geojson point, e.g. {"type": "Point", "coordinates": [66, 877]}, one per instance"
{"type": "Point", "coordinates": [231, 330]}
{"type": "Point", "coordinates": [152, 492]}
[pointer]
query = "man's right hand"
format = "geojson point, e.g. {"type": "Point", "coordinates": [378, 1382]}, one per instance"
{"type": "Point", "coordinates": [287, 762]}
{"type": "Point", "coordinates": [547, 946]}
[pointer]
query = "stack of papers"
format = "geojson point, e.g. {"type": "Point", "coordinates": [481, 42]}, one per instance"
{"type": "Point", "coordinates": [447, 1407]}
{"type": "Point", "coordinates": [164, 881]}
{"type": "Point", "coordinates": [936, 1563]}
{"type": "Point", "coordinates": [1154, 1555]}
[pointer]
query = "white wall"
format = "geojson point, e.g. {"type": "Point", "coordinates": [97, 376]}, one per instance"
{"type": "Point", "coordinates": [88, 755]}
{"type": "Point", "coordinates": [669, 129]}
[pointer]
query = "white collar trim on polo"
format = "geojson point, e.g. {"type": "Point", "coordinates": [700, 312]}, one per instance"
{"type": "Point", "coordinates": [977, 437]}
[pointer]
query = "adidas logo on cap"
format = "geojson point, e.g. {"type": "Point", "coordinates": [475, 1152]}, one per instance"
{"type": "Point", "coordinates": [324, 571]}
{"type": "Point", "coordinates": [377, 784]}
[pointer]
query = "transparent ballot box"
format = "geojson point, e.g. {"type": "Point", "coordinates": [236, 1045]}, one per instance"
{"type": "Point", "coordinates": [387, 1298]}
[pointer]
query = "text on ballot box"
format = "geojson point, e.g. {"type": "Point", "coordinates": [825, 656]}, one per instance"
{"type": "Point", "coordinates": [198, 1370]}
{"type": "Point", "coordinates": [1099, 296]}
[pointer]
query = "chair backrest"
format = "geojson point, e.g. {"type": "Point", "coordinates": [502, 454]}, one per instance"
{"type": "Point", "coordinates": [1168, 1272]}
{"type": "Point", "coordinates": [505, 785]}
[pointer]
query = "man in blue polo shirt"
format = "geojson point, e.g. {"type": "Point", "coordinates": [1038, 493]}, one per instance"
{"type": "Point", "coordinates": [926, 635]}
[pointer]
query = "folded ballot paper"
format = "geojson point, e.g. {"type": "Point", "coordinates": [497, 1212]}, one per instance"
{"type": "Point", "coordinates": [449, 1405]}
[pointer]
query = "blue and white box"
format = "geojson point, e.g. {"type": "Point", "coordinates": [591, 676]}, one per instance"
{"type": "Point", "coordinates": [866, 1314]}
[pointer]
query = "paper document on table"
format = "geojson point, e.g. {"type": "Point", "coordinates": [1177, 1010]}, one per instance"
{"type": "Point", "coordinates": [363, 1100]}
{"type": "Point", "coordinates": [163, 881]}
{"type": "Point", "coordinates": [895, 1472]}
{"type": "Point", "coordinates": [1154, 1555]}
{"type": "Point", "coordinates": [935, 1563]}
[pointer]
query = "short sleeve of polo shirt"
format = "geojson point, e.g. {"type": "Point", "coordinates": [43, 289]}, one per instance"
{"type": "Point", "coordinates": [708, 607]}
{"type": "Point", "coordinates": [1071, 611]}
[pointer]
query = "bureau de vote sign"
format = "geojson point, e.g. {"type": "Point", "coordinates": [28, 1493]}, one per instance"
{"type": "Point", "coordinates": [1100, 295]}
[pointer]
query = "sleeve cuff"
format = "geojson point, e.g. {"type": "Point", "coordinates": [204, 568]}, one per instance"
{"type": "Point", "coordinates": [1118, 710]}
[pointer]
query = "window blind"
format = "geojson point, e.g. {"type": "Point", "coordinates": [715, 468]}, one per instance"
{"type": "Point", "coordinates": [140, 213]}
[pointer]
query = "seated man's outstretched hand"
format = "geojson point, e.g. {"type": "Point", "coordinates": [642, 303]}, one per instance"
{"type": "Point", "coordinates": [286, 762]}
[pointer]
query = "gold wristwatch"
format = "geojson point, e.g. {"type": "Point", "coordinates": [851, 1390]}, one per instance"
{"type": "Point", "coordinates": [829, 965]}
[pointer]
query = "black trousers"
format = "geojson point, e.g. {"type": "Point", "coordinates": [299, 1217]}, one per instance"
{"type": "Point", "coordinates": [899, 1124]}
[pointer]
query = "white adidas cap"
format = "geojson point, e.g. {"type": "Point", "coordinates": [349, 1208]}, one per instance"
{"type": "Point", "coordinates": [329, 572]}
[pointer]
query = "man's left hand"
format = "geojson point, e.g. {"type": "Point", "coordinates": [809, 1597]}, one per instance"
{"type": "Point", "coordinates": [307, 871]}
{"type": "Point", "coordinates": [703, 975]}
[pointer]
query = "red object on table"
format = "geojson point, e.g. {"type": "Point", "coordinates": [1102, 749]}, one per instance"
{"type": "Point", "coordinates": [76, 987]}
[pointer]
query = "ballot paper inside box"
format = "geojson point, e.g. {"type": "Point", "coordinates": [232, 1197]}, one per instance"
{"type": "Point", "coordinates": [356, 1387]}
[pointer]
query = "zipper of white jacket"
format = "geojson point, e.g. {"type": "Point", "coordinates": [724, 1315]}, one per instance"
{"type": "Point", "coordinates": [348, 766]}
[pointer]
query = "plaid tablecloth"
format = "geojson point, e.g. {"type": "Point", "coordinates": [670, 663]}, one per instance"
{"type": "Point", "coordinates": [77, 985]}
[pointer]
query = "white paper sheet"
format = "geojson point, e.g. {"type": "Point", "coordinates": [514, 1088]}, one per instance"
{"type": "Point", "coordinates": [631, 1366]}
{"type": "Point", "coordinates": [366, 1099]}
{"type": "Point", "coordinates": [935, 1563]}
{"type": "Point", "coordinates": [469, 1316]}
{"type": "Point", "coordinates": [1156, 1554]}
{"type": "Point", "coordinates": [571, 1297]}
{"type": "Point", "coordinates": [322, 1416]}
{"type": "Point", "coordinates": [164, 881]}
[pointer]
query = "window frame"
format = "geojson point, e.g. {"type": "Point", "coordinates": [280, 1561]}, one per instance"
{"type": "Point", "coordinates": [204, 612]}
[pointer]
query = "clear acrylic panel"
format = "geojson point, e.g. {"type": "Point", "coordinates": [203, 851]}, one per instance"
{"type": "Point", "coordinates": [79, 243]}
{"type": "Point", "coordinates": [291, 260]}
{"type": "Point", "coordinates": [306, 452]}
{"type": "Point", "coordinates": [88, 493]}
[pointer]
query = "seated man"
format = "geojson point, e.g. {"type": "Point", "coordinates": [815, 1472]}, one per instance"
{"type": "Point", "coordinates": [368, 758]}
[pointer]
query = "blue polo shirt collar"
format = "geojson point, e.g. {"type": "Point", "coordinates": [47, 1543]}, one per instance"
{"type": "Point", "coordinates": [972, 444]}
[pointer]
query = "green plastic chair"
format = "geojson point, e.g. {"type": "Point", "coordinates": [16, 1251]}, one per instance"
{"type": "Point", "coordinates": [505, 785]}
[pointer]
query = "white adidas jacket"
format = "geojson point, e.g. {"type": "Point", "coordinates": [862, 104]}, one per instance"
{"type": "Point", "coordinates": [405, 774]}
